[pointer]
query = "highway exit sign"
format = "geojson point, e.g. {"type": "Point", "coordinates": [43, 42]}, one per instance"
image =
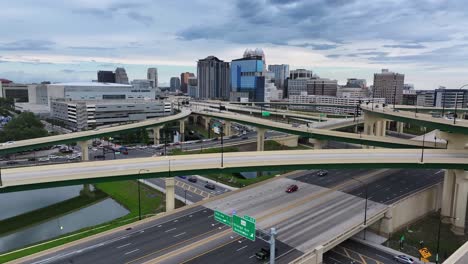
{"type": "Point", "coordinates": [243, 227]}
{"type": "Point", "coordinates": [222, 218]}
{"type": "Point", "coordinates": [265, 113]}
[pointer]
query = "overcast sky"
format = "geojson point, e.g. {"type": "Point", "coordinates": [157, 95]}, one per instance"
{"type": "Point", "coordinates": [70, 40]}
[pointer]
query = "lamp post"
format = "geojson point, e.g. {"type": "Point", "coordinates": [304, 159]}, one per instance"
{"type": "Point", "coordinates": [443, 103]}
{"type": "Point", "coordinates": [456, 103]}
{"type": "Point", "coordinates": [185, 196]}
{"type": "Point", "coordinates": [438, 235]}
{"type": "Point", "coordinates": [222, 145]}
{"type": "Point", "coordinates": [139, 196]}
{"type": "Point", "coordinates": [365, 208]}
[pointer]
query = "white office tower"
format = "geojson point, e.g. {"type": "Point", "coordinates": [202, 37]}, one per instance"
{"type": "Point", "coordinates": [153, 77]}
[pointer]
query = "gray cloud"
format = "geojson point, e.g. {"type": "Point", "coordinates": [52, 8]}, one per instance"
{"type": "Point", "coordinates": [27, 44]}
{"type": "Point", "coordinates": [131, 10]}
{"type": "Point", "coordinates": [145, 20]}
{"type": "Point", "coordinates": [405, 46]}
{"type": "Point", "coordinates": [90, 48]}
{"type": "Point", "coordinates": [317, 46]}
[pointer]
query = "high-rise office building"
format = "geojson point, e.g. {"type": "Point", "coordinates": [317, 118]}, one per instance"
{"type": "Point", "coordinates": [356, 83]}
{"type": "Point", "coordinates": [322, 86]}
{"type": "Point", "coordinates": [153, 77]}
{"type": "Point", "coordinates": [175, 84]}
{"type": "Point", "coordinates": [281, 72]}
{"type": "Point", "coordinates": [213, 78]}
{"type": "Point", "coordinates": [449, 97]}
{"type": "Point", "coordinates": [247, 79]}
{"type": "Point", "coordinates": [121, 76]}
{"type": "Point", "coordinates": [192, 88]}
{"type": "Point", "coordinates": [106, 76]}
{"type": "Point", "coordinates": [389, 85]}
{"type": "Point", "coordinates": [300, 73]}
{"type": "Point", "coordinates": [184, 80]}
{"type": "Point", "coordinates": [425, 98]}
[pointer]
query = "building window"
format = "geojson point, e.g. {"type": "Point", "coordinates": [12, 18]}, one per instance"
{"type": "Point", "coordinates": [113, 96]}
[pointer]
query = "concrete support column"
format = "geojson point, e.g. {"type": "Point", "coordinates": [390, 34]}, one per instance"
{"type": "Point", "coordinates": [319, 255]}
{"type": "Point", "coordinates": [378, 128]}
{"type": "Point", "coordinates": [182, 130]}
{"type": "Point", "coordinates": [383, 128]}
{"type": "Point", "coordinates": [170, 194]}
{"type": "Point", "coordinates": [447, 195]}
{"type": "Point", "coordinates": [227, 128]}
{"type": "Point", "coordinates": [84, 150]}
{"type": "Point", "coordinates": [459, 205]}
{"type": "Point", "coordinates": [260, 139]}
{"type": "Point", "coordinates": [156, 135]}
{"type": "Point", "coordinates": [207, 122]}
{"type": "Point", "coordinates": [400, 126]}
{"type": "Point", "coordinates": [318, 144]}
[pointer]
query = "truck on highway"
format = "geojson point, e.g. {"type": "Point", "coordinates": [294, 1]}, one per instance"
{"type": "Point", "coordinates": [264, 253]}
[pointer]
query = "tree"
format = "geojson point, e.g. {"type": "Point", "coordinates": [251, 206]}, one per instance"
{"type": "Point", "coordinates": [24, 126]}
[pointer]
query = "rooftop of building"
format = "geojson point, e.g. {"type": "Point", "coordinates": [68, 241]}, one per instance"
{"type": "Point", "coordinates": [211, 58]}
{"type": "Point", "coordinates": [93, 84]}
{"type": "Point", "coordinates": [3, 81]}
{"type": "Point", "coordinates": [111, 102]}
{"type": "Point", "coordinates": [249, 58]}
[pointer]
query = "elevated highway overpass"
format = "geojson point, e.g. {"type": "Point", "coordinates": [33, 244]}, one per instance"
{"type": "Point", "coordinates": [320, 134]}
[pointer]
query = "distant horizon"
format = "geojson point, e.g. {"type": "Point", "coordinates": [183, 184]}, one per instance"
{"type": "Point", "coordinates": [62, 41]}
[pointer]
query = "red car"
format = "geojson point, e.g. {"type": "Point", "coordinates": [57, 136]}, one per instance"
{"type": "Point", "coordinates": [292, 188]}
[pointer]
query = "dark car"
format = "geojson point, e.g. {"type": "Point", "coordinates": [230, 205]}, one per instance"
{"type": "Point", "coordinates": [403, 259]}
{"type": "Point", "coordinates": [264, 253]}
{"type": "Point", "coordinates": [292, 188]}
{"type": "Point", "coordinates": [210, 186]}
{"type": "Point", "coordinates": [11, 162]}
{"type": "Point", "coordinates": [182, 176]}
{"type": "Point", "coordinates": [193, 179]}
{"type": "Point", "coordinates": [31, 159]}
{"type": "Point", "coordinates": [245, 137]}
{"type": "Point", "coordinates": [99, 157]}
{"type": "Point", "coordinates": [322, 173]}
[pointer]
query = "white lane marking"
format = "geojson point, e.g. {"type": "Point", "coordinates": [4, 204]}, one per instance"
{"type": "Point", "coordinates": [124, 245]}
{"type": "Point", "coordinates": [337, 261]}
{"type": "Point", "coordinates": [159, 225]}
{"type": "Point", "coordinates": [251, 256]}
{"type": "Point", "coordinates": [130, 252]}
{"type": "Point", "coordinates": [381, 256]}
{"type": "Point", "coordinates": [190, 215]}
{"type": "Point", "coordinates": [175, 221]}
{"type": "Point", "coordinates": [239, 249]}
{"type": "Point", "coordinates": [179, 234]}
{"type": "Point", "coordinates": [172, 229]}
{"type": "Point", "coordinates": [210, 215]}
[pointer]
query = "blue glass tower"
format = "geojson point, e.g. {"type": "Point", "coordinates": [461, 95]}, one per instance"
{"type": "Point", "coordinates": [247, 77]}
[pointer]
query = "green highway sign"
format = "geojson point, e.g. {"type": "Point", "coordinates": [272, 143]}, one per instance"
{"type": "Point", "coordinates": [249, 218]}
{"type": "Point", "coordinates": [243, 227]}
{"type": "Point", "coordinates": [222, 218]}
{"type": "Point", "coordinates": [265, 113]}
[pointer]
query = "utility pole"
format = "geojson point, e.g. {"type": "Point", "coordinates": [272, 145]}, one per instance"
{"type": "Point", "coordinates": [272, 245]}
{"type": "Point", "coordinates": [222, 145]}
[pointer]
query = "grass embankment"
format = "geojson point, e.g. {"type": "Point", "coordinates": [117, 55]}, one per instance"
{"type": "Point", "coordinates": [235, 180]}
{"type": "Point", "coordinates": [426, 230]}
{"type": "Point", "coordinates": [31, 218]}
{"type": "Point", "coordinates": [124, 192]}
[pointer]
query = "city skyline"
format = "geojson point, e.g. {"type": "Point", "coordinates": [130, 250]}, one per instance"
{"type": "Point", "coordinates": [424, 40]}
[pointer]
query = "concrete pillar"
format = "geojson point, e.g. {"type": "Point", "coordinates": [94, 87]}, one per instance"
{"type": "Point", "coordinates": [319, 255]}
{"type": "Point", "coordinates": [318, 144]}
{"type": "Point", "coordinates": [383, 129]}
{"type": "Point", "coordinates": [260, 139]}
{"type": "Point", "coordinates": [84, 150]}
{"type": "Point", "coordinates": [227, 128]}
{"type": "Point", "coordinates": [86, 191]}
{"type": "Point", "coordinates": [157, 135]}
{"type": "Point", "coordinates": [170, 194]}
{"type": "Point", "coordinates": [182, 130]}
{"type": "Point", "coordinates": [378, 128]}
{"type": "Point", "coordinates": [459, 204]}
{"type": "Point", "coordinates": [454, 141]}
{"type": "Point", "coordinates": [400, 127]}
{"type": "Point", "coordinates": [447, 195]}
{"type": "Point", "coordinates": [207, 122]}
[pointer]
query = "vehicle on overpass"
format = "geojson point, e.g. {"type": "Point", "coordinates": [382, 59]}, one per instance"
{"type": "Point", "coordinates": [292, 188]}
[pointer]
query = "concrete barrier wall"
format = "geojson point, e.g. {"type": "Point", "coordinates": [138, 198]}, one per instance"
{"type": "Point", "coordinates": [409, 210]}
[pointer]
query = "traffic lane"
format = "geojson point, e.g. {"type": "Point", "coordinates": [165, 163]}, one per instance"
{"type": "Point", "coordinates": [333, 257]}
{"type": "Point", "coordinates": [114, 237]}
{"type": "Point", "coordinates": [200, 184]}
{"type": "Point", "coordinates": [334, 176]}
{"type": "Point", "coordinates": [368, 252]}
{"type": "Point", "coordinates": [242, 250]}
{"type": "Point", "coordinates": [399, 184]}
{"type": "Point", "coordinates": [155, 241]}
{"type": "Point", "coordinates": [191, 196]}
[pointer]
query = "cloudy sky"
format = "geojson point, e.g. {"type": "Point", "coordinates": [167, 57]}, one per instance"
{"type": "Point", "coordinates": [70, 40]}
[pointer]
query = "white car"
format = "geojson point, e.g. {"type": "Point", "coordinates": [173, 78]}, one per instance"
{"type": "Point", "coordinates": [403, 259]}
{"type": "Point", "coordinates": [43, 159]}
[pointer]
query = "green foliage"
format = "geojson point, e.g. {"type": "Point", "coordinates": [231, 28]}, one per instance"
{"type": "Point", "coordinates": [24, 126]}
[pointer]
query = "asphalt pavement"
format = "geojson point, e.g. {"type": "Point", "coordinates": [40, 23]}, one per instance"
{"type": "Point", "coordinates": [352, 251]}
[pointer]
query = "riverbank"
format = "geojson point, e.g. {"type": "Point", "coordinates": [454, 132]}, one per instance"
{"type": "Point", "coordinates": [40, 215]}
{"type": "Point", "coordinates": [125, 193]}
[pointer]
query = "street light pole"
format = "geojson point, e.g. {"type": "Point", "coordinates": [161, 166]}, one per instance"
{"type": "Point", "coordinates": [456, 103]}
{"type": "Point", "coordinates": [365, 208]}
{"type": "Point", "coordinates": [422, 151]}
{"type": "Point", "coordinates": [139, 196]}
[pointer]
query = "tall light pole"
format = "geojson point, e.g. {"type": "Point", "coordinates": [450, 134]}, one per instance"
{"type": "Point", "coordinates": [365, 208]}
{"type": "Point", "coordinates": [422, 151]}
{"type": "Point", "coordinates": [222, 145]}
{"type": "Point", "coordinates": [139, 196]}
{"type": "Point", "coordinates": [456, 103]}
{"type": "Point", "coordinates": [438, 234]}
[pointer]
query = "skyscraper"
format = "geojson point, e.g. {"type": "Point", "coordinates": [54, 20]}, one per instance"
{"type": "Point", "coordinates": [121, 76]}
{"type": "Point", "coordinates": [247, 79]}
{"type": "Point", "coordinates": [184, 80]}
{"type": "Point", "coordinates": [281, 72]}
{"type": "Point", "coordinates": [300, 73]}
{"type": "Point", "coordinates": [106, 76]}
{"type": "Point", "coordinates": [175, 84]}
{"type": "Point", "coordinates": [389, 85]}
{"type": "Point", "coordinates": [213, 78]}
{"type": "Point", "coordinates": [153, 76]}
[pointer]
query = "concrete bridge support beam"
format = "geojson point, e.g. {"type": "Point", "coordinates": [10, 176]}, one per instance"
{"type": "Point", "coordinates": [318, 144]}
{"type": "Point", "coordinates": [207, 122]}
{"type": "Point", "coordinates": [157, 135]}
{"type": "Point", "coordinates": [182, 130]}
{"type": "Point", "coordinates": [447, 195]}
{"type": "Point", "coordinates": [260, 139]}
{"type": "Point", "coordinates": [400, 127]}
{"type": "Point", "coordinates": [460, 202]}
{"type": "Point", "coordinates": [227, 128]}
{"type": "Point", "coordinates": [170, 194]}
{"type": "Point", "coordinates": [84, 150]}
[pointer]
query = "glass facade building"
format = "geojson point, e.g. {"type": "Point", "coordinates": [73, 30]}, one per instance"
{"type": "Point", "coordinates": [247, 77]}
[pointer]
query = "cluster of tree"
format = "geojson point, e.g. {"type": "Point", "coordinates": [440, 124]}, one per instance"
{"type": "Point", "coordinates": [23, 126]}
{"type": "Point", "coordinates": [6, 105]}
{"type": "Point", "coordinates": [134, 137]}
